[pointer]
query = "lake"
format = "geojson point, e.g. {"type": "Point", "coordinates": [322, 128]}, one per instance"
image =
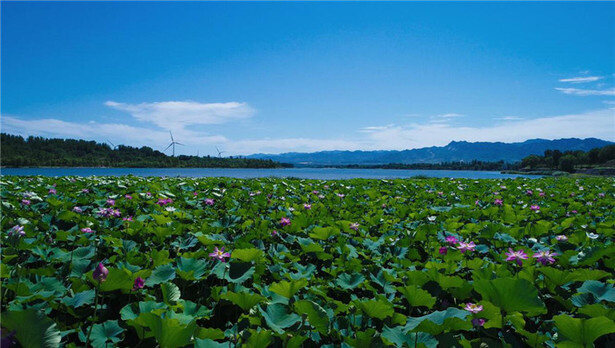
{"type": "Point", "coordinates": [306, 173]}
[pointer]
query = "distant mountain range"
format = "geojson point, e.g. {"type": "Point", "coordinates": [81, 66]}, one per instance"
{"type": "Point", "coordinates": [454, 151]}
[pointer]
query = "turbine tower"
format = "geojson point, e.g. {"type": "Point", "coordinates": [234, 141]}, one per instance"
{"type": "Point", "coordinates": [172, 144]}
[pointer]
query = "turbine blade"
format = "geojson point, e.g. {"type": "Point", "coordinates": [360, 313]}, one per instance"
{"type": "Point", "coordinates": [171, 136]}
{"type": "Point", "coordinates": [166, 148]}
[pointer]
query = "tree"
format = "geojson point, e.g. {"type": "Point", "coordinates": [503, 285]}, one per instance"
{"type": "Point", "coordinates": [566, 163]}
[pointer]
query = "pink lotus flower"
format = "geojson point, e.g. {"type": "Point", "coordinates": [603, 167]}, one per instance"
{"type": "Point", "coordinates": [498, 202]}
{"type": "Point", "coordinates": [220, 254]}
{"type": "Point", "coordinates": [474, 308]}
{"type": "Point", "coordinates": [85, 191]}
{"type": "Point", "coordinates": [516, 256]}
{"type": "Point", "coordinates": [77, 210]}
{"type": "Point", "coordinates": [535, 208]}
{"type": "Point", "coordinates": [307, 206]}
{"type": "Point", "coordinates": [341, 195]}
{"type": "Point", "coordinates": [109, 212]}
{"type": "Point", "coordinates": [17, 229]}
{"type": "Point", "coordinates": [478, 321]}
{"type": "Point", "coordinates": [545, 257]}
{"type": "Point", "coordinates": [561, 238]}
{"type": "Point", "coordinates": [139, 284]}
{"type": "Point", "coordinates": [52, 191]}
{"type": "Point", "coordinates": [315, 192]}
{"type": "Point", "coordinates": [100, 273]}
{"type": "Point", "coordinates": [128, 218]}
{"type": "Point", "coordinates": [463, 246]}
{"type": "Point", "coordinates": [87, 230]}
{"type": "Point", "coordinates": [601, 194]}
{"type": "Point", "coordinates": [209, 201]}
{"type": "Point", "coordinates": [477, 202]}
{"type": "Point", "coordinates": [111, 202]}
{"type": "Point", "coordinates": [452, 240]}
{"type": "Point", "coordinates": [354, 226]}
{"type": "Point", "coordinates": [529, 192]}
{"type": "Point", "coordinates": [443, 250]}
{"type": "Point", "coordinates": [129, 197]}
{"type": "Point", "coordinates": [164, 201]}
{"type": "Point", "coordinates": [25, 202]}
{"type": "Point", "coordinates": [541, 194]}
{"type": "Point", "coordinates": [274, 233]}
{"type": "Point", "coordinates": [284, 221]}
{"type": "Point", "coordinates": [195, 193]}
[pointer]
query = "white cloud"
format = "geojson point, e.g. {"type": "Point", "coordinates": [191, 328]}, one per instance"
{"type": "Point", "coordinates": [586, 92]}
{"type": "Point", "coordinates": [509, 118]}
{"type": "Point", "coordinates": [251, 146]}
{"type": "Point", "coordinates": [451, 115]}
{"type": "Point", "coordinates": [115, 132]}
{"type": "Point", "coordinates": [176, 115]}
{"type": "Point", "coordinates": [582, 79]}
{"type": "Point", "coordinates": [599, 124]}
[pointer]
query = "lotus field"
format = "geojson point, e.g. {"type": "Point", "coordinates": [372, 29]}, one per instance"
{"type": "Point", "coordinates": [218, 262]}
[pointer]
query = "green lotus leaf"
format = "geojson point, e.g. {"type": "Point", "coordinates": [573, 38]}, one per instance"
{"type": "Point", "coordinates": [316, 315]}
{"type": "Point", "coordinates": [247, 255]}
{"type": "Point", "coordinates": [33, 329]}
{"type": "Point", "coordinates": [600, 291]}
{"type": "Point", "coordinates": [511, 295]}
{"type": "Point", "coordinates": [324, 233]}
{"type": "Point", "coordinates": [169, 332]}
{"type": "Point", "coordinates": [208, 343]}
{"type": "Point", "coordinates": [161, 274]}
{"type": "Point", "coordinates": [417, 296]}
{"type": "Point", "coordinates": [105, 333]}
{"type": "Point", "coordinates": [79, 299]}
{"type": "Point", "coordinates": [170, 293]}
{"type": "Point", "coordinates": [349, 281]}
{"type": "Point", "coordinates": [288, 288]}
{"type": "Point", "coordinates": [245, 300]}
{"type": "Point", "coordinates": [191, 268]}
{"type": "Point", "coordinates": [399, 338]}
{"type": "Point", "coordinates": [379, 309]}
{"type": "Point", "coordinates": [279, 317]}
{"type": "Point", "coordinates": [260, 338]}
{"type": "Point", "coordinates": [582, 332]}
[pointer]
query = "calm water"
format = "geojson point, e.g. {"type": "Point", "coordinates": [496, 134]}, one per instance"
{"type": "Point", "coordinates": [307, 173]}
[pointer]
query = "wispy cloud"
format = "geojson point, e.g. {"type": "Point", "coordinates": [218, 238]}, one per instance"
{"type": "Point", "coordinates": [450, 115]}
{"type": "Point", "coordinates": [586, 92]}
{"type": "Point", "coordinates": [116, 132]}
{"type": "Point", "coordinates": [598, 123]}
{"type": "Point", "coordinates": [176, 115]}
{"type": "Point", "coordinates": [583, 79]}
{"type": "Point", "coordinates": [508, 118]}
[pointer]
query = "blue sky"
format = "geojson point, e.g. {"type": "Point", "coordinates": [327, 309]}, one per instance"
{"type": "Point", "coordinates": [279, 77]}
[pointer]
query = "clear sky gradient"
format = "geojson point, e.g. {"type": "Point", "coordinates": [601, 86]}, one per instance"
{"type": "Point", "coordinates": [280, 77]}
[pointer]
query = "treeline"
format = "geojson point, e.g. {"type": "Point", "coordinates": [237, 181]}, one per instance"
{"type": "Point", "coordinates": [459, 165]}
{"type": "Point", "coordinates": [568, 160]}
{"type": "Point", "coordinates": [42, 152]}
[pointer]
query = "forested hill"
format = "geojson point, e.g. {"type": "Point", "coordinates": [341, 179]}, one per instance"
{"type": "Point", "coordinates": [43, 152]}
{"type": "Point", "coordinates": [456, 151]}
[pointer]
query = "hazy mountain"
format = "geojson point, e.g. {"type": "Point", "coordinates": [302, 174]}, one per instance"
{"type": "Point", "coordinates": [454, 151]}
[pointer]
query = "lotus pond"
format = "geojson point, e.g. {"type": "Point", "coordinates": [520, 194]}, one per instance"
{"type": "Point", "coordinates": [220, 262]}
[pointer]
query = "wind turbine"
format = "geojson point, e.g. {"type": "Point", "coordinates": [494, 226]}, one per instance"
{"type": "Point", "coordinates": [113, 147]}
{"type": "Point", "coordinates": [219, 152]}
{"type": "Point", "coordinates": [173, 143]}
